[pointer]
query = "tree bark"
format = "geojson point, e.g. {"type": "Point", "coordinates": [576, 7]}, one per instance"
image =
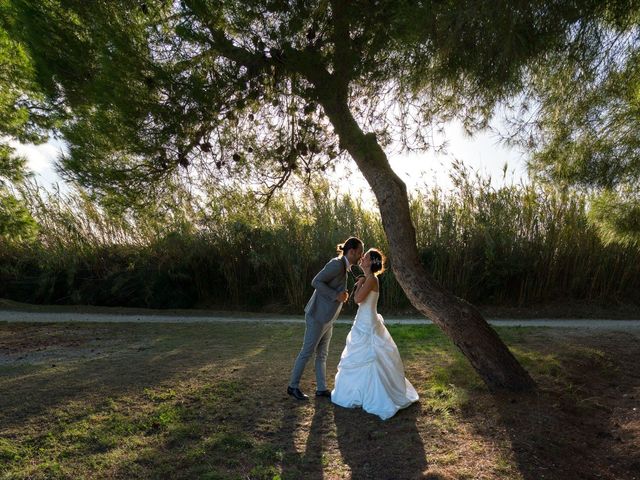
{"type": "Point", "coordinates": [459, 320]}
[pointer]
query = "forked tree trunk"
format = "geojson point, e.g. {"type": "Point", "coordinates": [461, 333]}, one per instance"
{"type": "Point", "coordinates": [459, 320]}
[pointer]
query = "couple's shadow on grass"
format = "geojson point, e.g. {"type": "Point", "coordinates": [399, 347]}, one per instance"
{"type": "Point", "coordinates": [370, 448]}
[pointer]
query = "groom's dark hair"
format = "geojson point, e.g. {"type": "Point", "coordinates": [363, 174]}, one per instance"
{"type": "Point", "coordinates": [351, 243]}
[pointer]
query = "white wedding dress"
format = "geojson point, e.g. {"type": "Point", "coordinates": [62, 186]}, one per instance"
{"type": "Point", "coordinates": [370, 373]}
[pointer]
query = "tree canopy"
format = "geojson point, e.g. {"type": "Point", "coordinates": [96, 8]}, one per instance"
{"type": "Point", "coordinates": [148, 90]}
{"type": "Point", "coordinates": [584, 125]}
{"type": "Point", "coordinates": [23, 118]}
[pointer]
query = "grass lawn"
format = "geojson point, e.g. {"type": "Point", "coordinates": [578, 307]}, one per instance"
{"type": "Point", "coordinates": [208, 401]}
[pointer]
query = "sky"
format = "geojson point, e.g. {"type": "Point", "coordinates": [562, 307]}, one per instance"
{"type": "Point", "coordinates": [483, 152]}
{"type": "Point", "coordinates": [40, 159]}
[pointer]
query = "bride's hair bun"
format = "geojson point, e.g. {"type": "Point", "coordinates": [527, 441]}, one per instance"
{"type": "Point", "coordinates": [377, 261]}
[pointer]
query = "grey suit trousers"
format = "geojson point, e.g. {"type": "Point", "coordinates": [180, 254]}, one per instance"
{"type": "Point", "coordinates": [317, 336]}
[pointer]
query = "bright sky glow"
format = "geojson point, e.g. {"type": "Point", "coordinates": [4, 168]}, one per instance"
{"type": "Point", "coordinates": [40, 159]}
{"type": "Point", "coordinates": [483, 152]}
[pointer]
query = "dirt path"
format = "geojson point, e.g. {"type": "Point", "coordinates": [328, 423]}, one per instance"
{"type": "Point", "coordinates": [74, 317]}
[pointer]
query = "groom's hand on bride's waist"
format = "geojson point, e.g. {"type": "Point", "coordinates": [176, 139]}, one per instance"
{"type": "Point", "coordinates": [343, 297]}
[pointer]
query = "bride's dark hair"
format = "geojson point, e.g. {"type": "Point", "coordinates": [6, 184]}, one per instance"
{"type": "Point", "coordinates": [350, 243]}
{"type": "Point", "coordinates": [377, 261]}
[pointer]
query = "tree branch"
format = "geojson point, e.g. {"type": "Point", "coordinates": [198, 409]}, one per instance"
{"type": "Point", "coordinates": [343, 56]}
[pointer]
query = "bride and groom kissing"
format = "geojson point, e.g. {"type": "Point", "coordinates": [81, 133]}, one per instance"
{"type": "Point", "coordinates": [370, 372]}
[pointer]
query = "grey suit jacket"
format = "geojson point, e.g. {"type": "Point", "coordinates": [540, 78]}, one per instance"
{"type": "Point", "coordinates": [330, 281]}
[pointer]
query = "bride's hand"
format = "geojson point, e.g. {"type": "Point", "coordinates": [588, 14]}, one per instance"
{"type": "Point", "coordinates": [343, 297]}
{"type": "Point", "coordinates": [360, 281]}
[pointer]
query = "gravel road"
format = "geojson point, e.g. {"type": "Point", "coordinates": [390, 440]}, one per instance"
{"type": "Point", "coordinates": [75, 317]}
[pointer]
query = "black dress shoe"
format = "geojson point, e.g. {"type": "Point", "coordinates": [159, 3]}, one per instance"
{"type": "Point", "coordinates": [297, 394]}
{"type": "Point", "coordinates": [323, 393]}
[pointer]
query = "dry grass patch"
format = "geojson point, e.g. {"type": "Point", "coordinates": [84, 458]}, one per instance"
{"type": "Point", "coordinates": [208, 401]}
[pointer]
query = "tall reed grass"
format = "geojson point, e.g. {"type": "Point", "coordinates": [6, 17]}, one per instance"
{"type": "Point", "coordinates": [513, 245]}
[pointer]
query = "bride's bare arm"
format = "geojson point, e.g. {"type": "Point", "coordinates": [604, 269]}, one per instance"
{"type": "Point", "coordinates": [371, 283]}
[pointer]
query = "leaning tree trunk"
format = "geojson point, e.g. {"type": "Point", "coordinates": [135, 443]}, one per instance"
{"type": "Point", "coordinates": [459, 320]}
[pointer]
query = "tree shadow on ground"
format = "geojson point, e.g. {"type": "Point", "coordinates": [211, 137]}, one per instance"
{"type": "Point", "coordinates": [138, 363]}
{"type": "Point", "coordinates": [580, 424]}
{"type": "Point", "coordinates": [185, 398]}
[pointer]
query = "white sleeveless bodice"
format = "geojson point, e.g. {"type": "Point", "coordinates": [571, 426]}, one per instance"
{"type": "Point", "coordinates": [367, 317]}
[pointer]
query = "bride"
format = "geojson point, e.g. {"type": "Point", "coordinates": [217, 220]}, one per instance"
{"type": "Point", "coordinates": [370, 373]}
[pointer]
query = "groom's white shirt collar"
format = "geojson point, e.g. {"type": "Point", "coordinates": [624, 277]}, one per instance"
{"type": "Point", "coordinates": [346, 260]}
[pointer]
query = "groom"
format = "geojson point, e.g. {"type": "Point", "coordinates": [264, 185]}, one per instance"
{"type": "Point", "coordinates": [323, 308]}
